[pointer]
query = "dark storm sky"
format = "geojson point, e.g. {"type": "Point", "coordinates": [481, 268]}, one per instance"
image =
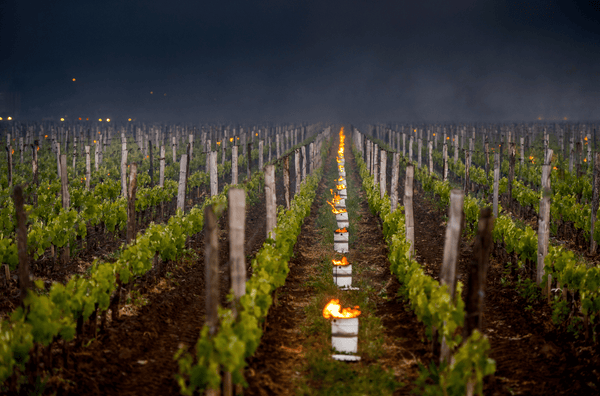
{"type": "Point", "coordinates": [303, 60]}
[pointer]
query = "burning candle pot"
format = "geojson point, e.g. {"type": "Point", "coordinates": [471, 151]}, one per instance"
{"type": "Point", "coordinates": [344, 329]}
{"type": "Point", "coordinates": [342, 273]}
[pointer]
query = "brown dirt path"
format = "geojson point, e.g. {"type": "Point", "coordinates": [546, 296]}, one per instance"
{"type": "Point", "coordinates": [278, 364]}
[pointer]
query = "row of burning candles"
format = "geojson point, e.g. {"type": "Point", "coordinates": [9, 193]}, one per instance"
{"type": "Point", "coordinates": [344, 325]}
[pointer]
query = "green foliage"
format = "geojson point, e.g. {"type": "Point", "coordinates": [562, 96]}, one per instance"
{"type": "Point", "coordinates": [430, 301]}
{"type": "Point", "coordinates": [238, 339]}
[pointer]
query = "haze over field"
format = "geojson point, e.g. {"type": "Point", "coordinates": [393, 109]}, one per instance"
{"type": "Point", "coordinates": [302, 60]}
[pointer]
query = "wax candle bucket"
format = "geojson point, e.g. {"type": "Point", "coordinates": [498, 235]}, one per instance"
{"type": "Point", "coordinates": [344, 335]}
{"type": "Point", "coordinates": [340, 237]}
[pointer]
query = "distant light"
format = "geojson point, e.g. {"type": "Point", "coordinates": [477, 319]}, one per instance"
{"type": "Point", "coordinates": [87, 119]}
{"type": "Point", "coordinates": [151, 92]}
{"type": "Point", "coordinates": [62, 119]}
{"type": "Point", "coordinates": [100, 119]}
{"type": "Point", "coordinates": [10, 118]}
{"type": "Point", "coordinates": [73, 79]}
{"type": "Point", "coordinates": [564, 118]}
{"type": "Point", "coordinates": [165, 94]}
{"type": "Point", "coordinates": [0, 118]}
{"type": "Point", "coordinates": [108, 120]}
{"type": "Point", "coordinates": [45, 136]}
{"type": "Point", "coordinates": [231, 139]}
{"type": "Point", "coordinates": [256, 134]}
{"type": "Point", "coordinates": [129, 119]}
{"type": "Point", "coordinates": [79, 118]}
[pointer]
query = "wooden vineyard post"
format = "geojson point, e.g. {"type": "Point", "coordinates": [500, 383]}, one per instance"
{"type": "Point", "coordinates": [88, 168]}
{"type": "Point", "coordinates": [595, 201]}
{"type": "Point", "coordinates": [24, 281]}
{"type": "Point", "coordinates": [478, 273]}
{"type": "Point", "coordinates": [369, 167]}
{"type": "Point", "coordinates": [237, 258]}
{"type": "Point", "coordinates": [431, 157]}
{"type": "Point", "coordinates": [234, 165]}
{"type": "Point", "coordinates": [191, 143]}
{"type": "Point", "coordinates": [97, 157]}
{"type": "Point", "coordinates": [522, 143]}
{"type": "Point", "coordinates": [420, 149]}
{"type": "Point", "coordinates": [395, 177]}
{"type": "Point", "coordinates": [382, 173]}
{"type": "Point", "coordinates": [124, 170]}
{"type": "Point", "coordinates": [467, 168]}
{"type": "Point", "coordinates": [34, 163]}
{"type": "Point", "coordinates": [375, 164]}
{"type": "Point", "coordinates": [544, 221]}
{"type": "Point", "coordinates": [410, 149]}
{"type": "Point", "coordinates": [57, 159]}
{"type": "Point", "coordinates": [74, 155]}
{"type": "Point", "coordinates": [270, 200]}
{"type": "Point", "coordinates": [303, 163]}
{"type": "Point", "coordinates": [161, 174]}
{"type": "Point", "coordinates": [297, 171]}
{"type": "Point", "coordinates": [151, 163]}
{"type": "Point", "coordinates": [277, 145]}
{"type": "Point", "coordinates": [286, 180]}
{"type": "Point", "coordinates": [408, 208]}
{"type": "Point", "coordinates": [451, 253]}
{"type": "Point", "coordinates": [131, 226]}
{"type": "Point", "coordinates": [211, 265]}
{"type": "Point", "coordinates": [249, 159]}
{"type": "Point", "coordinates": [21, 148]}
{"type": "Point", "coordinates": [214, 176]}
{"type": "Point", "coordinates": [496, 182]}
{"type": "Point", "coordinates": [455, 149]}
{"type": "Point", "coordinates": [174, 148]}
{"type": "Point", "coordinates": [260, 154]}
{"type": "Point", "coordinates": [403, 144]}
{"type": "Point", "coordinates": [486, 147]}
{"type": "Point", "coordinates": [511, 170]}
{"type": "Point", "coordinates": [181, 187]}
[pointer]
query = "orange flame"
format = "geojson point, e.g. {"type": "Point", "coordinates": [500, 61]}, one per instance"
{"type": "Point", "coordinates": [332, 310]}
{"type": "Point", "coordinates": [338, 159]}
{"type": "Point", "coordinates": [340, 187]}
{"type": "Point", "coordinates": [341, 230]}
{"type": "Point", "coordinates": [343, 261]}
{"type": "Point", "coordinates": [341, 179]}
{"type": "Point", "coordinates": [335, 210]}
{"type": "Point", "coordinates": [341, 167]}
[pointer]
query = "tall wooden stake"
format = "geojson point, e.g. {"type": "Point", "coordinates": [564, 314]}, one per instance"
{"type": "Point", "coordinates": [408, 208]}
{"type": "Point", "coordinates": [451, 253]}
{"type": "Point", "coordinates": [382, 174]}
{"type": "Point", "coordinates": [270, 200]}
{"type": "Point", "coordinates": [395, 177]}
{"type": "Point", "coordinates": [478, 273]}
{"type": "Point", "coordinates": [211, 265]}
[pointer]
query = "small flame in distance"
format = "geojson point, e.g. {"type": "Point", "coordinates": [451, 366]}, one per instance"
{"type": "Point", "coordinates": [343, 261]}
{"type": "Point", "coordinates": [332, 310]}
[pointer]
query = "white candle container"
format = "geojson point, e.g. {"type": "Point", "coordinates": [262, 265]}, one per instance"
{"type": "Point", "coordinates": [343, 224]}
{"type": "Point", "coordinates": [341, 247]}
{"type": "Point", "coordinates": [341, 270]}
{"type": "Point", "coordinates": [343, 182]}
{"type": "Point", "coordinates": [341, 216]}
{"type": "Point", "coordinates": [343, 193]}
{"type": "Point", "coordinates": [343, 281]}
{"type": "Point", "coordinates": [340, 237]}
{"type": "Point", "coordinates": [341, 204]}
{"type": "Point", "coordinates": [344, 335]}
{"type": "Point", "coordinates": [342, 173]}
{"type": "Point", "coordinates": [341, 161]}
